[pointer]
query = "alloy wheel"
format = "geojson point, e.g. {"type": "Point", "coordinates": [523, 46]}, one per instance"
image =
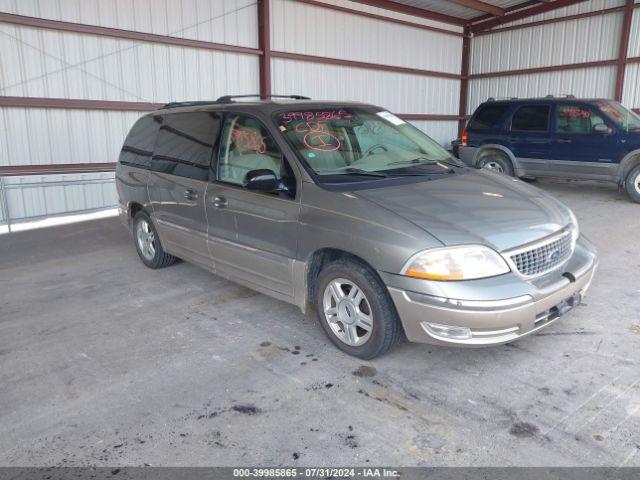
{"type": "Point", "coordinates": [495, 166]}
{"type": "Point", "coordinates": [146, 240]}
{"type": "Point", "coordinates": [348, 312]}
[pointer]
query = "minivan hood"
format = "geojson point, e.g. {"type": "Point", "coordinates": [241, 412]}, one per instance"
{"type": "Point", "coordinates": [475, 207]}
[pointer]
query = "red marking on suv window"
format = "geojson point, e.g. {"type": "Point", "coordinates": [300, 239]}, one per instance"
{"type": "Point", "coordinates": [318, 115]}
{"type": "Point", "coordinates": [249, 140]}
{"type": "Point", "coordinates": [574, 112]}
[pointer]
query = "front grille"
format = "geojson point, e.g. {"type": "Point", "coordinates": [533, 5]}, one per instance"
{"type": "Point", "coordinates": [543, 257]}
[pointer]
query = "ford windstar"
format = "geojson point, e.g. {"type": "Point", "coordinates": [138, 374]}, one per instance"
{"type": "Point", "coordinates": [348, 210]}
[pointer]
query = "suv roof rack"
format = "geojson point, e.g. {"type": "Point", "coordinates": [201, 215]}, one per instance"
{"type": "Point", "coordinates": [229, 99]}
{"type": "Point", "coordinates": [564, 95]}
{"type": "Point", "coordinates": [567, 95]}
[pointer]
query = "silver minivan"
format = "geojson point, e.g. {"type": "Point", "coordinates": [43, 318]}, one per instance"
{"type": "Point", "coordinates": [346, 209]}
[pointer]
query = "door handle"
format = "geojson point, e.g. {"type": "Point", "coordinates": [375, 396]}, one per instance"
{"type": "Point", "coordinates": [563, 140]}
{"type": "Point", "coordinates": [190, 194]}
{"type": "Point", "coordinates": [219, 202]}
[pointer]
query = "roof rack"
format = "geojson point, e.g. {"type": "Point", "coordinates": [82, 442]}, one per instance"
{"type": "Point", "coordinates": [188, 104]}
{"type": "Point", "coordinates": [229, 99]}
{"type": "Point", "coordinates": [495, 99]}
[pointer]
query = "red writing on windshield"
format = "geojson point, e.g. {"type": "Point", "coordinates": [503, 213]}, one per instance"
{"type": "Point", "coordinates": [309, 116]}
{"type": "Point", "coordinates": [317, 137]}
{"type": "Point", "coordinates": [249, 140]}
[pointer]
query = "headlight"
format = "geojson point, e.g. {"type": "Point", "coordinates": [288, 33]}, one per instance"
{"type": "Point", "coordinates": [464, 262]}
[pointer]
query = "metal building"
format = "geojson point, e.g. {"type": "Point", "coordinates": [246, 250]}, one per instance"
{"type": "Point", "coordinates": [75, 74]}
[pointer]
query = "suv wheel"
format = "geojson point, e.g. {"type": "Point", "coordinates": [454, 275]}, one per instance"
{"type": "Point", "coordinates": [355, 310]}
{"type": "Point", "coordinates": [632, 184]}
{"type": "Point", "coordinates": [497, 163]}
{"type": "Point", "coordinates": [148, 244]}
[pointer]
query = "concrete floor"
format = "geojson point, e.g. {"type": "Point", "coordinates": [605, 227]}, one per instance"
{"type": "Point", "coordinates": [105, 362]}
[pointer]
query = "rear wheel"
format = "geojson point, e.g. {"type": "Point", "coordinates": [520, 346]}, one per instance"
{"type": "Point", "coordinates": [148, 244]}
{"type": "Point", "coordinates": [632, 184]}
{"type": "Point", "coordinates": [355, 310]}
{"type": "Point", "coordinates": [497, 163]}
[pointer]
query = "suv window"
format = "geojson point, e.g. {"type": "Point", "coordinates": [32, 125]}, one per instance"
{"type": "Point", "coordinates": [531, 118]}
{"type": "Point", "coordinates": [487, 117]}
{"type": "Point", "coordinates": [138, 147]}
{"type": "Point", "coordinates": [185, 143]}
{"type": "Point", "coordinates": [247, 145]}
{"type": "Point", "coordinates": [576, 119]}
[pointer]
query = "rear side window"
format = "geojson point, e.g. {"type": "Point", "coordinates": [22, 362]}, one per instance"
{"type": "Point", "coordinates": [576, 119]}
{"type": "Point", "coordinates": [185, 144]}
{"type": "Point", "coordinates": [487, 117]}
{"type": "Point", "coordinates": [531, 118]}
{"type": "Point", "coordinates": [138, 147]}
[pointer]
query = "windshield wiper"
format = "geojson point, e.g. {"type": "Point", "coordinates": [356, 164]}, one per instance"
{"type": "Point", "coordinates": [415, 161]}
{"type": "Point", "coordinates": [425, 174]}
{"type": "Point", "coordinates": [355, 171]}
{"type": "Point", "coordinates": [423, 161]}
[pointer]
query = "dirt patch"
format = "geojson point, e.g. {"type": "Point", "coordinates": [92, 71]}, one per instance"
{"type": "Point", "coordinates": [246, 409]}
{"type": "Point", "coordinates": [635, 329]}
{"type": "Point", "coordinates": [523, 430]}
{"type": "Point", "coordinates": [265, 344]}
{"type": "Point", "coordinates": [350, 441]}
{"type": "Point", "coordinates": [365, 371]}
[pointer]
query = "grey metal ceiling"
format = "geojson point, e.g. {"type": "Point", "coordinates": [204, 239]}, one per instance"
{"type": "Point", "coordinates": [455, 10]}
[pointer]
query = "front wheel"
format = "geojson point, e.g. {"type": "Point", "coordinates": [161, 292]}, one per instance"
{"type": "Point", "coordinates": [355, 310]}
{"type": "Point", "coordinates": [497, 163]}
{"type": "Point", "coordinates": [632, 184]}
{"type": "Point", "coordinates": [148, 243]}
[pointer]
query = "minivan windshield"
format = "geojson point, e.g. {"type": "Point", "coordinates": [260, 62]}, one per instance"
{"type": "Point", "coordinates": [623, 117]}
{"type": "Point", "coordinates": [361, 144]}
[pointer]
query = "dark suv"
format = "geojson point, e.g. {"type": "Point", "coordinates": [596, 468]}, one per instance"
{"type": "Point", "coordinates": [591, 139]}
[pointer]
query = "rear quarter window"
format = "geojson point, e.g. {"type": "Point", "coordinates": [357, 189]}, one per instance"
{"type": "Point", "coordinates": [138, 146]}
{"type": "Point", "coordinates": [531, 118]}
{"type": "Point", "coordinates": [185, 144]}
{"type": "Point", "coordinates": [487, 117]}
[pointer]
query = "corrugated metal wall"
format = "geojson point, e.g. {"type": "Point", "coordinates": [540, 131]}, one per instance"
{"type": "Point", "coordinates": [39, 62]}
{"type": "Point", "coordinates": [631, 95]}
{"type": "Point", "coordinates": [310, 30]}
{"type": "Point", "coordinates": [581, 40]}
{"type": "Point", "coordinates": [575, 41]}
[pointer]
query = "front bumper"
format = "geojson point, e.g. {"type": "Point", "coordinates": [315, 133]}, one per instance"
{"type": "Point", "coordinates": [472, 319]}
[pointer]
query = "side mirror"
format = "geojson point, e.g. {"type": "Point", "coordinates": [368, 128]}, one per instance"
{"type": "Point", "coordinates": [602, 129]}
{"type": "Point", "coordinates": [262, 180]}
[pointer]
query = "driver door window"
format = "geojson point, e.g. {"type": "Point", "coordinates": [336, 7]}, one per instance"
{"type": "Point", "coordinates": [576, 119]}
{"type": "Point", "coordinates": [246, 146]}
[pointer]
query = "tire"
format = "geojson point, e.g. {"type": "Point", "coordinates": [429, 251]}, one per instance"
{"type": "Point", "coordinates": [632, 184]}
{"type": "Point", "coordinates": [384, 330]}
{"type": "Point", "coordinates": [147, 243]}
{"type": "Point", "coordinates": [497, 163]}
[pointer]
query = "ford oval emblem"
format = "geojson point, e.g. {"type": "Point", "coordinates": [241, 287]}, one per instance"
{"type": "Point", "coordinates": [553, 256]}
